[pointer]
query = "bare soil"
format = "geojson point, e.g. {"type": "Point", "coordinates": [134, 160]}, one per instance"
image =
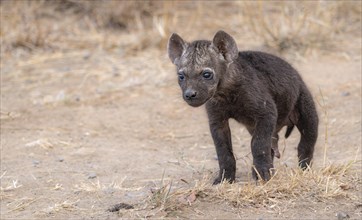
{"type": "Point", "coordinates": [82, 132]}
{"type": "Point", "coordinates": [93, 125]}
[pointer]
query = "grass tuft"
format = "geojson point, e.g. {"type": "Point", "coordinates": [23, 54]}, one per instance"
{"type": "Point", "coordinates": [287, 187]}
{"type": "Point", "coordinates": [301, 26]}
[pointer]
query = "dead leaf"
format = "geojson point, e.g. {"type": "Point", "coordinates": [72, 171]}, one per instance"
{"type": "Point", "coordinates": [191, 198]}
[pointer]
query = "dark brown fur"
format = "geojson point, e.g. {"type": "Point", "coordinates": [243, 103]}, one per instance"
{"type": "Point", "coordinates": [259, 90]}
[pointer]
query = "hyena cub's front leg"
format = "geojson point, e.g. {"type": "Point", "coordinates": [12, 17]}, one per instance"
{"type": "Point", "coordinates": [261, 148]}
{"type": "Point", "coordinates": [221, 135]}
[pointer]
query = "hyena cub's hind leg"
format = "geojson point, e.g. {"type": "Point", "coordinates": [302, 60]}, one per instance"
{"type": "Point", "coordinates": [308, 127]}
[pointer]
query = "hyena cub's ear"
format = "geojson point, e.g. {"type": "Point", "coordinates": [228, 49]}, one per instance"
{"type": "Point", "coordinates": [175, 48]}
{"type": "Point", "coordinates": [225, 45]}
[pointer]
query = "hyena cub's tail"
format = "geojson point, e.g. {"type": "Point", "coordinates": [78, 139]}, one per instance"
{"type": "Point", "coordinates": [293, 120]}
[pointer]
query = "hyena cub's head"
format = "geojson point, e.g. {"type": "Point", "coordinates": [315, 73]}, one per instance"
{"type": "Point", "coordinates": [201, 65]}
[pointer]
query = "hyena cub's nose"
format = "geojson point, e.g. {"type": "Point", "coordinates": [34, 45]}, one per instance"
{"type": "Point", "coordinates": [190, 94]}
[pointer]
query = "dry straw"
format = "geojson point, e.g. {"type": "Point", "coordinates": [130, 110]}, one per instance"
{"type": "Point", "coordinates": [301, 26]}
{"type": "Point", "coordinates": [282, 26]}
{"type": "Point", "coordinates": [287, 188]}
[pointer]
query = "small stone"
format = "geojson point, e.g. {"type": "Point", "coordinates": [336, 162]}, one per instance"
{"type": "Point", "coordinates": [86, 55]}
{"type": "Point", "coordinates": [117, 207]}
{"type": "Point", "coordinates": [115, 71]}
{"type": "Point", "coordinates": [36, 162]}
{"type": "Point", "coordinates": [342, 215]}
{"type": "Point", "coordinates": [92, 175]}
{"type": "Point", "coordinates": [345, 93]}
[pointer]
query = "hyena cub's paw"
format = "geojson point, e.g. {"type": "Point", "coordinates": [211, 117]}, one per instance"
{"type": "Point", "coordinates": [305, 164]}
{"type": "Point", "coordinates": [262, 170]}
{"type": "Point", "coordinates": [221, 178]}
{"type": "Point", "coordinates": [217, 181]}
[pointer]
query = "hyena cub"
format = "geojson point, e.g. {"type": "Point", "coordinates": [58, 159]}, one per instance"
{"type": "Point", "coordinates": [259, 90]}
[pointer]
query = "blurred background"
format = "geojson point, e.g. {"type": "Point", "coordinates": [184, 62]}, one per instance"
{"type": "Point", "coordinates": [110, 36]}
{"type": "Point", "coordinates": [131, 26]}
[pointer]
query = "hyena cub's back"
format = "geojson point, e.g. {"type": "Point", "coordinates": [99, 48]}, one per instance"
{"type": "Point", "coordinates": [275, 75]}
{"type": "Point", "coordinates": [259, 90]}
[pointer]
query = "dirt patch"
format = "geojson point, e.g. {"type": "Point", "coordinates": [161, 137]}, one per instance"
{"type": "Point", "coordinates": [88, 129]}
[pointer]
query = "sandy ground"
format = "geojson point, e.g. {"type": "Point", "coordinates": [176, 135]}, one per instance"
{"type": "Point", "coordinates": [84, 130]}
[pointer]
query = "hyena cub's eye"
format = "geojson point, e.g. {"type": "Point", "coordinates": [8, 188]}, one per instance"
{"type": "Point", "coordinates": [181, 75]}
{"type": "Point", "coordinates": [207, 74]}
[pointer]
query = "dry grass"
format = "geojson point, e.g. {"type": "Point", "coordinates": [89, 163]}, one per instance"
{"type": "Point", "coordinates": [96, 186]}
{"type": "Point", "coordinates": [8, 184]}
{"type": "Point", "coordinates": [68, 24]}
{"type": "Point", "coordinates": [302, 26]}
{"type": "Point", "coordinates": [287, 188]}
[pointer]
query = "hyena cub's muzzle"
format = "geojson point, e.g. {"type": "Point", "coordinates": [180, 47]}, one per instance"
{"type": "Point", "coordinates": [190, 94]}
{"type": "Point", "coordinates": [195, 98]}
